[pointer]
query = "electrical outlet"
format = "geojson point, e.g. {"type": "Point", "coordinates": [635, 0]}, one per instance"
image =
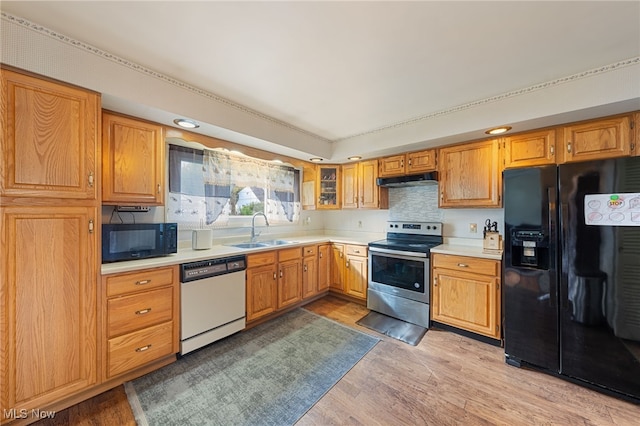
{"type": "Point", "coordinates": [473, 228]}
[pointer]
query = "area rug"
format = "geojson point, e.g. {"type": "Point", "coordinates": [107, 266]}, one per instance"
{"type": "Point", "coordinates": [392, 327]}
{"type": "Point", "coordinates": [271, 374]}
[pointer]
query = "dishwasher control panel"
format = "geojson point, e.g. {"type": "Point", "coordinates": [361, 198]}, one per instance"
{"type": "Point", "coordinates": [210, 268]}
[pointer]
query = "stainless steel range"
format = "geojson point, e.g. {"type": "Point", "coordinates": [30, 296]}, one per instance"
{"type": "Point", "coordinates": [399, 271]}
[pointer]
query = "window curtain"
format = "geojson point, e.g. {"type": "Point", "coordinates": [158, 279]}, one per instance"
{"type": "Point", "coordinates": [222, 176]}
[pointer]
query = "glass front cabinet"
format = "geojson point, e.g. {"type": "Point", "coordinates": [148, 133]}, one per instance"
{"type": "Point", "coordinates": [328, 187]}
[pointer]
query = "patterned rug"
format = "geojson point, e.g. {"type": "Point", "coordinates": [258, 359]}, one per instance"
{"type": "Point", "coordinates": [271, 374]}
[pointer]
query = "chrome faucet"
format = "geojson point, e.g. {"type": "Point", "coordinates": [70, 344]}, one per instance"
{"type": "Point", "coordinates": [253, 225]}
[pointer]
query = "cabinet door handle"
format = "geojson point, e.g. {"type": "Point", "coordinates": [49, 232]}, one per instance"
{"type": "Point", "coordinates": [143, 311]}
{"type": "Point", "coordinates": [320, 255]}
{"type": "Point", "coordinates": [280, 273]}
{"type": "Point", "coordinates": [91, 179]}
{"type": "Point", "coordinates": [305, 268]}
{"type": "Point", "coordinates": [435, 281]}
{"type": "Point", "coordinates": [158, 188]}
{"type": "Point", "coordinates": [91, 226]}
{"type": "Point", "coordinates": [274, 276]}
{"type": "Point", "coordinates": [569, 146]}
{"type": "Point", "coordinates": [552, 149]}
{"type": "Point", "coordinates": [463, 265]}
{"type": "Point", "coordinates": [347, 264]}
{"type": "Point", "coordinates": [143, 348]}
{"type": "Point", "coordinates": [143, 282]}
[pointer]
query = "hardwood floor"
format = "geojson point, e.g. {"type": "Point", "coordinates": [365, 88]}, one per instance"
{"type": "Point", "coordinates": [447, 379]}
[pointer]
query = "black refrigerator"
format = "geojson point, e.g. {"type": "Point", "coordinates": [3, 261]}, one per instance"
{"type": "Point", "coordinates": [571, 277]}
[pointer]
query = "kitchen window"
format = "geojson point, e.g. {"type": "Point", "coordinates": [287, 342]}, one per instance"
{"type": "Point", "coordinates": [210, 187]}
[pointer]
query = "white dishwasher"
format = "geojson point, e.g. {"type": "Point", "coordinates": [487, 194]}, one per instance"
{"type": "Point", "coordinates": [212, 300]}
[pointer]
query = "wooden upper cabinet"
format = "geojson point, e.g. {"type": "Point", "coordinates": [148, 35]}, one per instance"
{"type": "Point", "coordinates": [597, 139]}
{"type": "Point", "coordinates": [49, 139]}
{"type": "Point", "coordinates": [132, 161]}
{"type": "Point", "coordinates": [392, 166]}
{"type": "Point", "coordinates": [308, 196]}
{"type": "Point", "coordinates": [408, 164]}
{"type": "Point", "coordinates": [328, 187]}
{"type": "Point", "coordinates": [530, 149]}
{"type": "Point", "coordinates": [470, 175]}
{"type": "Point", "coordinates": [360, 189]}
{"type": "Point", "coordinates": [421, 161]}
{"type": "Point", "coordinates": [350, 186]}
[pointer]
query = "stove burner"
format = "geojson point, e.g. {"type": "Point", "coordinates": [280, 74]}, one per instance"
{"type": "Point", "coordinates": [417, 237]}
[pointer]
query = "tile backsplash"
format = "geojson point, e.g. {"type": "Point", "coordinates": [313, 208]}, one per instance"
{"type": "Point", "coordinates": [415, 203]}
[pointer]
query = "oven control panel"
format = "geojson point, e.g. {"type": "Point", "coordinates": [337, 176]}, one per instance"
{"type": "Point", "coordinates": [421, 228]}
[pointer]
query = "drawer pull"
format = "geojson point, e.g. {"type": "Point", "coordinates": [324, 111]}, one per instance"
{"type": "Point", "coordinates": [143, 282]}
{"type": "Point", "coordinates": [143, 348]}
{"type": "Point", "coordinates": [356, 251]}
{"type": "Point", "coordinates": [143, 311]}
{"type": "Point", "coordinates": [463, 265]}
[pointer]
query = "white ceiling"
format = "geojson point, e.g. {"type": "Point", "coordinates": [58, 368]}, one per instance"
{"type": "Point", "coordinates": [339, 71]}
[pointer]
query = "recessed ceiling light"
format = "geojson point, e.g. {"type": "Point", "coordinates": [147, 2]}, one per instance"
{"type": "Point", "coordinates": [315, 159]}
{"type": "Point", "coordinates": [187, 124]}
{"type": "Point", "coordinates": [498, 130]}
{"type": "Point", "coordinates": [354, 158]}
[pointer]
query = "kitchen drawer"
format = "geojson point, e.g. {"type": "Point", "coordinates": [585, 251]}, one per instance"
{"type": "Point", "coordinates": [138, 281]}
{"type": "Point", "coordinates": [465, 263]}
{"type": "Point", "coordinates": [309, 250]}
{"type": "Point", "coordinates": [140, 310]}
{"type": "Point", "coordinates": [261, 259]}
{"type": "Point", "coordinates": [289, 254]}
{"type": "Point", "coordinates": [132, 350]}
{"type": "Point", "coordinates": [353, 250]}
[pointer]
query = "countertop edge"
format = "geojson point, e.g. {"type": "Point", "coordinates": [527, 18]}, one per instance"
{"type": "Point", "coordinates": [463, 250]}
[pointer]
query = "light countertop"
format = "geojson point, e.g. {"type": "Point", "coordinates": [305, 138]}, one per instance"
{"type": "Point", "coordinates": [185, 255]}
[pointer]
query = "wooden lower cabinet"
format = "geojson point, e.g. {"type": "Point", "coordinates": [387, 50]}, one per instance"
{"type": "Point", "coordinates": [262, 284]}
{"type": "Point", "coordinates": [336, 283]}
{"type": "Point", "coordinates": [465, 293]}
{"type": "Point", "coordinates": [48, 305]}
{"type": "Point", "coordinates": [309, 271]}
{"type": "Point", "coordinates": [356, 271]}
{"type": "Point", "coordinates": [324, 267]}
{"type": "Point", "coordinates": [349, 271]}
{"type": "Point", "coordinates": [274, 281]}
{"type": "Point", "coordinates": [141, 318]}
{"type": "Point", "coordinates": [289, 277]}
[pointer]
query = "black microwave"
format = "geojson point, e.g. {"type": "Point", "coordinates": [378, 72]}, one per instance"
{"type": "Point", "coordinates": [130, 241]}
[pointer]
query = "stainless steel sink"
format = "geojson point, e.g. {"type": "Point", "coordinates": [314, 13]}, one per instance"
{"type": "Point", "coordinates": [268, 243]}
{"type": "Point", "coordinates": [248, 245]}
{"type": "Point", "coordinates": [276, 242]}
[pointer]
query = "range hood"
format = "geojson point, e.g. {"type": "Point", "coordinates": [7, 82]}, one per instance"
{"type": "Point", "coordinates": [410, 180]}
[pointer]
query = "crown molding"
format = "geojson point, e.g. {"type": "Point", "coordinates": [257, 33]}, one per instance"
{"type": "Point", "coordinates": [255, 114]}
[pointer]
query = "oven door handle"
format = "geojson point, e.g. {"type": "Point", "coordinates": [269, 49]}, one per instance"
{"type": "Point", "coordinates": [398, 252]}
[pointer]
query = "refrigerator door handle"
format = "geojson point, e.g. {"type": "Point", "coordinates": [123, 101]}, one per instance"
{"type": "Point", "coordinates": [562, 286]}
{"type": "Point", "coordinates": [552, 228]}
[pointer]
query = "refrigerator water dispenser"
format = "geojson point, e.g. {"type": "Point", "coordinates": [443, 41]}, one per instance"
{"type": "Point", "coordinates": [529, 248]}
